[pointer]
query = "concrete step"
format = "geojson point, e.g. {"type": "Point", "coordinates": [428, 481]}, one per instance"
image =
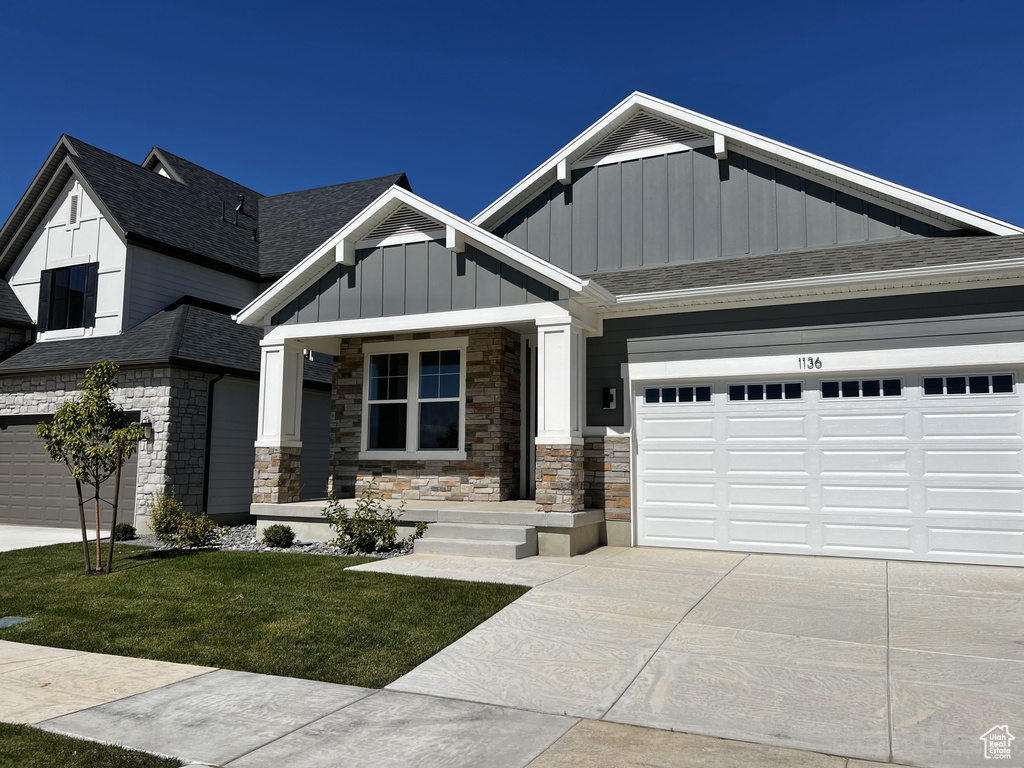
{"type": "Point", "coordinates": [517, 533]}
{"type": "Point", "coordinates": [503, 550]}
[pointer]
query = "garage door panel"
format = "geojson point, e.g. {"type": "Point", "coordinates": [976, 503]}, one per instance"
{"type": "Point", "coordinates": [914, 476]}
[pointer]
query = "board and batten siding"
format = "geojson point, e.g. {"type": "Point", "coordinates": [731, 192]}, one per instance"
{"type": "Point", "coordinates": [411, 279]}
{"type": "Point", "coordinates": [986, 315]}
{"type": "Point", "coordinates": [155, 281]}
{"type": "Point", "coordinates": [689, 206]}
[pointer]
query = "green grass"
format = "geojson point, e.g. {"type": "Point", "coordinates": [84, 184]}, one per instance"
{"type": "Point", "coordinates": [279, 614]}
{"type": "Point", "coordinates": [24, 747]}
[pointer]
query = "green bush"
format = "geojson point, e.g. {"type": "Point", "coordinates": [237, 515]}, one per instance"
{"type": "Point", "coordinates": [279, 536]}
{"type": "Point", "coordinates": [124, 532]}
{"type": "Point", "coordinates": [371, 527]}
{"type": "Point", "coordinates": [173, 524]}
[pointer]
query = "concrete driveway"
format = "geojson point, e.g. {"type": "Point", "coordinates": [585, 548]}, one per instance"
{"type": "Point", "coordinates": [25, 536]}
{"type": "Point", "coordinates": [884, 661]}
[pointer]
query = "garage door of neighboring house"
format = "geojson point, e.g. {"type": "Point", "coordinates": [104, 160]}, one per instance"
{"type": "Point", "coordinates": [232, 451]}
{"type": "Point", "coordinates": [910, 465]}
{"type": "Point", "coordinates": [37, 491]}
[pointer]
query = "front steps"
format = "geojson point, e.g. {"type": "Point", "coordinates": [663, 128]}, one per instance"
{"type": "Point", "coordinates": [506, 542]}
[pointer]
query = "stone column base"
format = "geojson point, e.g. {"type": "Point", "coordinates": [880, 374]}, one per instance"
{"type": "Point", "coordinates": [559, 478]}
{"type": "Point", "coordinates": [276, 477]}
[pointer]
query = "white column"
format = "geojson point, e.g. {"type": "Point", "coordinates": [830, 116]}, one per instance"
{"type": "Point", "coordinates": [280, 416]}
{"type": "Point", "coordinates": [560, 380]}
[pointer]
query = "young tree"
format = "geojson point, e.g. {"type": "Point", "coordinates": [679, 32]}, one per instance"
{"type": "Point", "coordinates": [93, 436]}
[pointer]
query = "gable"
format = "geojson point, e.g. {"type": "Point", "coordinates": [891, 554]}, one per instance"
{"type": "Point", "coordinates": [405, 223]}
{"type": "Point", "coordinates": [409, 279]}
{"type": "Point", "coordinates": [688, 206]}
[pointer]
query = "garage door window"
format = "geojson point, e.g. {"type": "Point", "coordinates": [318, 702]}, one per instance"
{"type": "Point", "coordinates": [686, 394]}
{"type": "Point", "coordinates": [999, 384]}
{"type": "Point", "coordinates": [864, 388]}
{"type": "Point", "coordinates": [774, 391]}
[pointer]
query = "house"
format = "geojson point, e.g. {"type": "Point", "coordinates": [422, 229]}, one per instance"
{"type": "Point", "coordinates": [675, 333]}
{"type": "Point", "coordinates": [143, 264]}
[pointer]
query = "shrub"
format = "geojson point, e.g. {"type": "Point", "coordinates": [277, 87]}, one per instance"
{"type": "Point", "coordinates": [173, 524]}
{"type": "Point", "coordinates": [279, 536]}
{"type": "Point", "coordinates": [371, 527]}
{"type": "Point", "coordinates": [124, 532]}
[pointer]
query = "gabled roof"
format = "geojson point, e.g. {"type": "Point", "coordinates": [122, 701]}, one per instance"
{"type": "Point", "coordinates": [184, 214]}
{"type": "Point", "coordinates": [11, 310]}
{"type": "Point", "coordinates": [727, 137]}
{"type": "Point", "coordinates": [190, 332]}
{"type": "Point", "coordinates": [341, 246]}
{"type": "Point", "coordinates": [293, 224]}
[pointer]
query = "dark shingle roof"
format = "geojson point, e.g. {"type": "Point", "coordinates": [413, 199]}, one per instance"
{"type": "Point", "coordinates": [840, 260]}
{"type": "Point", "coordinates": [11, 310]}
{"type": "Point", "coordinates": [184, 334]}
{"type": "Point", "coordinates": [293, 225]}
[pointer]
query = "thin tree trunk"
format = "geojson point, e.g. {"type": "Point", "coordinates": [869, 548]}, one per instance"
{"type": "Point", "coordinates": [99, 552]}
{"type": "Point", "coordinates": [81, 520]}
{"type": "Point", "coordinates": [113, 516]}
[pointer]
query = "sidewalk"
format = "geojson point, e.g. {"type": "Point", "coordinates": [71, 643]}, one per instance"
{"type": "Point", "coordinates": [226, 718]}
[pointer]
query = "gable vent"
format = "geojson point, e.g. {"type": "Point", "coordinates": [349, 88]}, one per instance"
{"type": "Point", "coordinates": [642, 131]}
{"type": "Point", "coordinates": [404, 221]}
{"type": "Point", "coordinates": [73, 213]}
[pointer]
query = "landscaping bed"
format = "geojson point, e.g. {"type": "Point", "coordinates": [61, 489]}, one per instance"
{"type": "Point", "coordinates": [22, 746]}
{"type": "Point", "coordinates": [261, 612]}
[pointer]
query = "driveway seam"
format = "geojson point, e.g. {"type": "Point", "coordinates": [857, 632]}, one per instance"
{"type": "Point", "coordinates": [888, 663]}
{"type": "Point", "coordinates": [667, 634]}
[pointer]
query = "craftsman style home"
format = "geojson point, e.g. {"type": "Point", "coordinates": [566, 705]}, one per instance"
{"type": "Point", "coordinates": [673, 333]}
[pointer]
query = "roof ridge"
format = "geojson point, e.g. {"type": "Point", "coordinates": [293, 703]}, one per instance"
{"type": "Point", "coordinates": [204, 168]}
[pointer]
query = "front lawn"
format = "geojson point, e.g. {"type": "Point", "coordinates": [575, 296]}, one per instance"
{"type": "Point", "coordinates": [278, 614]}
{"type": "Point", "coordinates": [22, 746]}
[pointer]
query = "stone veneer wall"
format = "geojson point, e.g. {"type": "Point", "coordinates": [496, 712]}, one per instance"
{"type": "Point", "coordinates": [491, 469]}
{"type": "Point", "coordinates": [606, 475]}
{"type": "Point", "coordinates": [173, 399]}
{"type": "Point", "coordinates": [559, 478]}
{"type": "Point", "coordinates": [12, 338]}
{"type": "Point", "coordinates": [276, 475]}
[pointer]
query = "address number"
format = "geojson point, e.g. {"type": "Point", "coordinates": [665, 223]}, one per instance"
{"type": "Point", "coordinates": [809, 363]}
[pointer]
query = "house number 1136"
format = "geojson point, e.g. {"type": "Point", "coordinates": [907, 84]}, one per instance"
{"type": "Point", "coordinates": [809, 363]}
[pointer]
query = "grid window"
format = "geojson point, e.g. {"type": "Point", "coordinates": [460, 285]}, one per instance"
{"type": "Point", "coordinates": [671, 395]}
{"type": "Point", "coordinates": [67, 298]}
{"type": "Point", "coordinates": [999, 384]}
{"type": "Point", "coordinates": [756, 392]}
{"type": "Point", "coordinates": [861, 388]}
{"type": "Point", "coordinates": [440, 388]}
{"type": "Point", "coordinates": [389, 405]}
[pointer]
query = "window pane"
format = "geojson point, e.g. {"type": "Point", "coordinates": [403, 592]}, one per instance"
{"type": "Point", "coordinates": [668, 394]}
{"type": "Point", "coordinates": [933, 386]}
{"type": "Point", "coordinates": [686, 394]}
{"type": "Point", "coordinates": [1002, 383]}
{"type": "Point", "coordinates": [773, 391]}
{"type": "Point", "coordinates": [830, 389]}
{"type": "Point", "coordinates": [872, 388]}
{"type": "Point", "coordinates": [794, 391]}
{"type": "Point", "coordinates": [736, 392]}
{"type": "Point", "coordinates": [59, 300]}
{"type": "Point", "coordinates": [440, 374]}
{"type": "Point", "coordinates": [398, 364]}
{"type": "Point", "coordinates": [652, 395]}
{"type": "Point", "coordinates": [449, 385]}
{"type": "Point", "coordinates": [76, 297]}
{"type": "Point", "coordinates": [387, 427]}
{"type": "Point", "coordinates": [851, 389]}
{"type": "Point", "coordinates": [450, 361]}
{"type": "Point", "coordinates": [892, 387]}
{"type": "Point", "coordinates": [439, 426]}
{"type": "Point", "coordinates": [978, 384]}
{"type": "Point", "coordinates": [956, 385]}
{"type": "Point", "coordinates": [430, 363]}
{"type": "Point", "coordinates": [378, 366]}
{"type": "Point", "coordinates": [755, 392]}
{"type": "Point", "coordinates": [389, 377]}
{"type": "Point", "coordinates": [429, 386]}
{"type": "Point", "coordinates": [703, 394]}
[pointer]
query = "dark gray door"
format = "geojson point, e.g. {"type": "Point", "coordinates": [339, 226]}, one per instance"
{"type": "Point", "coordinates": [36, 491]}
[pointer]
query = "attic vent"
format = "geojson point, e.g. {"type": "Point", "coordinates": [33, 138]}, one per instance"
{"type": "Point", "coordinates": [404, 221]}
{"type": "Point", "coordinates": [641, 132]}
{"type": "Point", "coordinates": [73, 213]}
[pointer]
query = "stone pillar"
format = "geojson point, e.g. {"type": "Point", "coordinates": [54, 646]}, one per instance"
{"type": "Point", "coordinates": [278, 441]}
{"type": "Point", "coordinates": [560, 364]}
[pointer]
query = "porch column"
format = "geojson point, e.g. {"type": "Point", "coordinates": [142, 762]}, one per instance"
{"type": "Point", "coordinates": [278, 442]}
{"type": "Point", "coordinates": [560, 366]}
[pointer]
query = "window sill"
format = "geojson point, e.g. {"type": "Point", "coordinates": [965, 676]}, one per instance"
{"type": "Point", "coordinates": [412, 455]}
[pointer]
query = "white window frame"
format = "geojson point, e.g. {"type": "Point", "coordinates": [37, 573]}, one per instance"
{"type": "Point", "coordinates": [412, 436]}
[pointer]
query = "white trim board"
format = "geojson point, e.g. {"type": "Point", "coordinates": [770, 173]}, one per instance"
{"type": "Point", "coordinates": [742, 141]}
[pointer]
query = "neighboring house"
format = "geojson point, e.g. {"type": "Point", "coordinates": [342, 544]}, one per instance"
{"type": "Point", "coordinates": [673, 333]}
{"type": "Point", "coordinates": [143, 264]}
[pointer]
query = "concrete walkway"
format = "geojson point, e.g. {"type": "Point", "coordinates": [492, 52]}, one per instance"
{"type": "Point", "coordinates": [25, 536]}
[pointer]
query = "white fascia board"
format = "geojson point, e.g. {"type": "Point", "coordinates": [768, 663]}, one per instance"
{"type": "Point", "coordinates": [739, 138]}
{"type": "Point", "coordinates": [428, 321]}
{"type": "Point", "coordinates": [833, 363]}
{"type": "Point", "coordinates": [862, 281]}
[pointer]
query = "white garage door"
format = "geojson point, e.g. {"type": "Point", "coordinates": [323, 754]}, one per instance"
{"type": "Point", "coordinates": [917, 466]}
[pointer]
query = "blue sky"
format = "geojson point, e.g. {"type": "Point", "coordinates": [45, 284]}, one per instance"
{"type": "Point", "coordinates": [467, 98]}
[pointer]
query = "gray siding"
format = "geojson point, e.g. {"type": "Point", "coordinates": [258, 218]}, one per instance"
{"type": "Point", "coordinates": [232, 454]}
{"type": "Point", "coordinates": [925, 319]}
{"type": "Point", "coordinates": [411, 279]}
{"type": "Point", "coordinates": [314, 462]}
{"type": "Point", "coordinates": [688, 206]}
